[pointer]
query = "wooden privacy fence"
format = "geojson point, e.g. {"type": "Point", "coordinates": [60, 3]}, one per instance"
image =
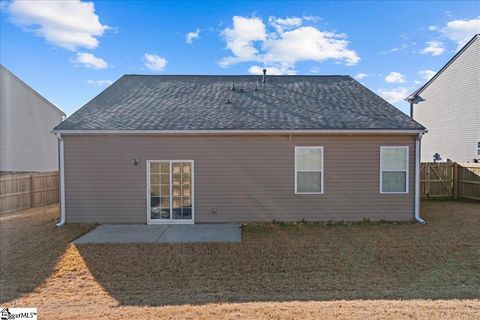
{"type": "Point", "coordinates": [468, 179]}
{"type": "Point", "coordinates": [23, 191]}
{"type": "Point", "coordinates": [450, 180]}
{"type": "Point", "coordinates": [436, 180]}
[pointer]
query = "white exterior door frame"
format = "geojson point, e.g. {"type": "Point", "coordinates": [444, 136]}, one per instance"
{"type": "Point", "coordinates": [170, 220]}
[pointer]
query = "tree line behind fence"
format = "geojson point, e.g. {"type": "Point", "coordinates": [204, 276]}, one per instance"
{"type": "Point", "coordinates": [23, 191]}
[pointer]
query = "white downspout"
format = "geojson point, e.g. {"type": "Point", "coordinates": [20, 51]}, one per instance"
{"type": "Point", "coordinates": [417, 180]}
{"type": "Point", "coordinates": [62, 182]}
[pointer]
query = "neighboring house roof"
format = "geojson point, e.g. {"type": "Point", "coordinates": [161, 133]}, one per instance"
{"type": "Point", "coordinates": [2, 67]}
{"type": "Point", "coordinates": [415, 97]}
{"type": "Point", "coordinates": [196, 102]}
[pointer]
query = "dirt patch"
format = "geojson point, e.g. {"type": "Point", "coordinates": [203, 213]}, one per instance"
{"type": "Point", "coordinates": [278, 271]}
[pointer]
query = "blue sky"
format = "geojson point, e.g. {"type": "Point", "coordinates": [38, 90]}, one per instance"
{"type": "Point", "coordinates": [71, 51]}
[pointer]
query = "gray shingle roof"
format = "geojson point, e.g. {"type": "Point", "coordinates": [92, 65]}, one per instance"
{"type": "Point", "coordinates": [150, 102]}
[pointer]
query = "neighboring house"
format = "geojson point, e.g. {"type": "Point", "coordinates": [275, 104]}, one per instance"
{"type": "Point", "coordinates": [26, 120]}
{"type": "Point", "coordinates": [196, 149]}
{"type": "Point", "coordinates": [449, 106]}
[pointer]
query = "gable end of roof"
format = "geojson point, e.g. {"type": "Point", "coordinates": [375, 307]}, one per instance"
{"type": "Point", "coordinates": [414, 97]}
{"type": "Point", "coordinates": [25, 85]}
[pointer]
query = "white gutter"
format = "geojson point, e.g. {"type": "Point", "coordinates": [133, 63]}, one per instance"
{"type": "Point", "coordinates": [417, 179]}
{"type": "Point", "coordinates": [62, 181]}
{"type": "Point", "coordinates": [288, 132]}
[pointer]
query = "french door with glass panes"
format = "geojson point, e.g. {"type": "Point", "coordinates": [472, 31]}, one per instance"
{"type": "Point", "coordinates": [170, 191]}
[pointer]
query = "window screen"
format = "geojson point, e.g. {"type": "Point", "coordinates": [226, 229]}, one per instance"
{"type": "Point", "coordinates": [394, 169]}
{"type": "Point", "coordinates": [308, 169]}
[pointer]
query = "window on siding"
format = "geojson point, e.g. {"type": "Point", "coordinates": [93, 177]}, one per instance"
{"type": "Point", "coordinates": [394, 169]}
{"type": "Point", "coordinates": [309, 170]}
{"type": "Point", "coordinates": [478, 149]}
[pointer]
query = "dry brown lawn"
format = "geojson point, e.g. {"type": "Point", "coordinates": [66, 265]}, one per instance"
{"type": "Point", "coordinates": [385, 271]}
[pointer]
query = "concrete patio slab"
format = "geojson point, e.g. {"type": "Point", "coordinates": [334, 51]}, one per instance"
{"type": "Point", "coordinates": [202, 233]}
{"type": "Point", "coordinates": [137, 233]}
{"type": "Point", "coordinates": [119, 233]}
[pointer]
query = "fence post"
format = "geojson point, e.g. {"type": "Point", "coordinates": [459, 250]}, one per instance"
{"type": "Point", "coordinates": [427, 182]}
{"type": "Point", "coordinates": [455, 181]}
{"type": "Point", "coordinates": [32, 195]}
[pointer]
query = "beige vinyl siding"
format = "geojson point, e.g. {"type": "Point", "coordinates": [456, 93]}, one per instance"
{"type": "Point", "coordinates": [246, 178]}
{"type": "Point", "coordinates": [451, 110]}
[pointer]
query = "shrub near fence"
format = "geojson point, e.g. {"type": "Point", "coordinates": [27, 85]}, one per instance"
{"type": "Point", "coordinates": [23, 191]}
{"type": "Point", "coordinates": [450, 180]}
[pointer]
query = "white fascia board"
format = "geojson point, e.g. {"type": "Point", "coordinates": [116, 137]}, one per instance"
{"type": "Point", "coordinates": [239, 132]}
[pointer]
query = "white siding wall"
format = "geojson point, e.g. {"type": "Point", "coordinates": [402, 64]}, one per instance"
{"type": "Point", "coordinates": [451, 110]}
{"type": "Point", "coordinates": [26, 119]}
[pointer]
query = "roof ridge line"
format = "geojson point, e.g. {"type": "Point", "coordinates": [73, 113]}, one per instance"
{"type": "Point", "coordinates": [234, 75]}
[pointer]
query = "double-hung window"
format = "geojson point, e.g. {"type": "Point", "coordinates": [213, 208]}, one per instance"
{"type": "Point", "coordinates": [394, 169]}
{"type": "Point", "coordinates": [308, 170]}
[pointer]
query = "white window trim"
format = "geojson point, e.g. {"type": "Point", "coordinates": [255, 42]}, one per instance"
{"type": "Point", "coordinates": [407, 177]}
{"type": "Point", "coordinates": [170, 221]}
{"type": "Point", "coordinates": [321, 170]}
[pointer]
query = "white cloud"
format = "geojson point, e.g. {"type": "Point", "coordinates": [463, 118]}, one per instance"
{"type": "Point", "coordinates": [309, 43]}
{"type": "Point", "coordinates": [100, 83]}
{"type": "Point", "coordinates": [270, 70]}
{"type": "Point", "coordinates": [416, 82]}
{"type": "Point", "coordinates": [90, 61]}
{"type": "Point", "coordinates": [394, 95]}
{"type": "Point", "coordinates": [284, 44]}
{"type": "Point", "coordinates": [395, 77]}
{"type": "Point", "coordinates": [434, 48]}
{"type": "Point", "coordinates": [395, 49]}
{"type": "Point", "coordinates": [427, 74]}
{"type": "Point", "coordinates": [154, 62]}
{"type": "Point", "coordinates": [192, 36]}
{"type": "Point", "coordinates": [461, 31]}
{"type": "Point", "coordinates": [432, 28]}
{"type": "Point", "coordinates": [312, 18]}
{"type": "Point", "coordinates": [281, 24]}
{"type": "Point", "coordinates": [240, 40]}
{"type": "Point", "coordinates": [360, 76]}
{"type": "Point", "coordinates": [67, 24]}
